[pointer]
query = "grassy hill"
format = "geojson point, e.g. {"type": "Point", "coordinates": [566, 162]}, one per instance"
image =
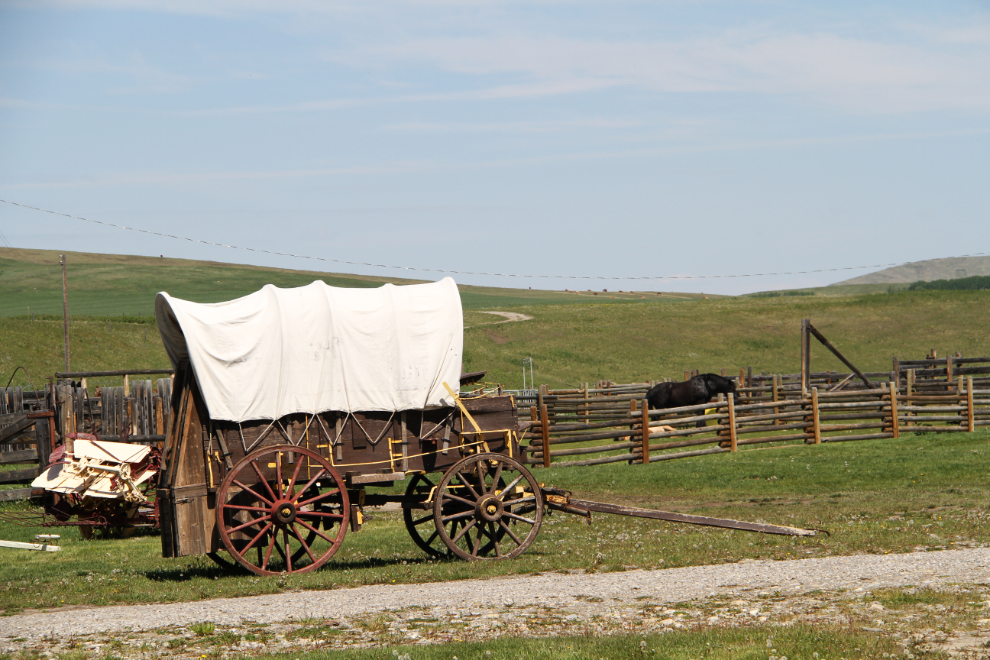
{"type": "Point", "coordinates": [931, 269]}
{"type": "Point", "coordinates": [577, 343]}
{"type": "Point", "coordinates": [110, 284]}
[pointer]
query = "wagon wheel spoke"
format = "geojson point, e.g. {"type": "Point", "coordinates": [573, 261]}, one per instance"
{"type": "Point", "coordinates": [238, 507]}
{"type": "Point", "coordinates": [498, 475]}
{"type": "Point", "coordinates": [494, 538]}
{"type": "Point", "coordinates": [252, 491]}
{"type": "Point", "coordinates": [481, 469]}
{"type": "Point", "coordinates": [316, 531]}
{"type": "Point", "coordinates": [477, 542]}
{"type": "Point", "coordinates": [317, 498]}
{"type": "Point", "coordinates": [457, 516]}
{"type": "Point", "coordinates": [420, 521]}
{"type": "Point", "coordinates": [287, 554]}
{"type": "Point", "coordinates": [278, 474]}
{"type": "Point", "coordinates": [303, 542]}
{"type": "Point", "coordinates": [254, 521]}
{"type": "Point", "coordinates": [268, 556]}
{"type": "Point", "coordinates": [309, 484]}
{"type": "Point", "coordinates": [290, 492]}
{"type": "Point", "coordinates": [464, 531]}
{"type": "Point", "coordinates": [456, 498]}
{"type": "Point", "coordinates": [513, 516]}
{"type": "Point", "coordinates": [467, 485]}
{"type": "Point", "coordinates": [508, 530]}
{"type": "Point", "coordinates": [261, 478]}
{"type": "Point", "coordinates": [520, 500]}
{"type": "Point", "coordinates": [508, 489]}
{"type": "Point", "coordinates": [255, 539]}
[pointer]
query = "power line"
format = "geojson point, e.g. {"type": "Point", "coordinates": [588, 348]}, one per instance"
{"type": "Point", "coordinates": [469, 272]}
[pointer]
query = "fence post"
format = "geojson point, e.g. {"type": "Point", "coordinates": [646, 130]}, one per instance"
{"type": "Point", "coordinates": [546, 435]}
{"type": "Point", "coordinates": [815, 424]}
{"type": "Point", "coordinates": [895, 423]}
{"type": "Point", "coordinates": [948, 372]}
{"type": "Point", "coordinates": [646, 431]}
{"type": "Point", "coordinates": [732, 421]}
{"type": "Point", "coordinates": [969, 404]}
{"type": "Point", "coordinates": [776, 398]}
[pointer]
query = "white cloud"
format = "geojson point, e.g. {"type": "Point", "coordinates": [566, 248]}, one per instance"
{"type": "Point", "coordinates": [859, 74]}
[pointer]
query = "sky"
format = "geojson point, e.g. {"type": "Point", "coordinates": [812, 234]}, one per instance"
{"type": "Point", "coordinates": [566, 143]}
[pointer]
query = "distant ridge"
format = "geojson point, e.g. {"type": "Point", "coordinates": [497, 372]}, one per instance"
{"type": "Point", "coordinates": [932, 269]}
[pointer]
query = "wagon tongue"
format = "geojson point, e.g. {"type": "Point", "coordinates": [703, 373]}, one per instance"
{"type": "Point", "coordinates": [560, 500]}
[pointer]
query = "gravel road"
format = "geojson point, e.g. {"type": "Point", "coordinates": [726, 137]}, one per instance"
{"type": "Point", "coordinates": [581, 592]}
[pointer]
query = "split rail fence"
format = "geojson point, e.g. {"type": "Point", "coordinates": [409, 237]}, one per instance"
{"type": "Point", "coordinates": [612, 423]}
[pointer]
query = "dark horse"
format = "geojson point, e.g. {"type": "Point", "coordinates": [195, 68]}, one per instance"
{"type": "Point", "coordinates": [700, 389]}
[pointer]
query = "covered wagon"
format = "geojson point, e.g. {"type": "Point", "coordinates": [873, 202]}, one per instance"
{"type": "Point", "coordinates": [292, 409]}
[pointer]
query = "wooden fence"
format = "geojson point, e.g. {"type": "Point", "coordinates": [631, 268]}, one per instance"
{"type": "Point", "coordinates": [611, 423]}
{"type": "Point", "coordinates": [26, 440]}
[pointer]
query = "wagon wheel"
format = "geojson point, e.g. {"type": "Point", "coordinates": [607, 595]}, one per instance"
{"type": "Point", "coordinates": [263, 507]}
{"type": "Point", "coordinates": [480, 516]}
{"type": "Point", "coordinates": [419, 521]}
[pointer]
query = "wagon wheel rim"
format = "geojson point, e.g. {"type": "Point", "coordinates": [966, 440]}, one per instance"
{"type": "Point", "coordinates": [279, 517]}
{"type": "Point", "coordinates": [419, 521]}
{"type": "Point", "coordinates": [488, 506]}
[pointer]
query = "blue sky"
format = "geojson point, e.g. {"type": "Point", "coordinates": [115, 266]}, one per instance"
{"type": "Point", "coordinates": [607, 139]}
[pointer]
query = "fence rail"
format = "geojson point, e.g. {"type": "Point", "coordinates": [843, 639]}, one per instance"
{"type": "Point", "coordinates": [613, 425]}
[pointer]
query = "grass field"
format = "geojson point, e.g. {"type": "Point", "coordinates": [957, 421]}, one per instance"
{"type": "Point", "coordinates": [919, 492]}
{"type": "Point", "coordinates": [576, 343]}
{"type": "Point", "coordinates": [114, 285]}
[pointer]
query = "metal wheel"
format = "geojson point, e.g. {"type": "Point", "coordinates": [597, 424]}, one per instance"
{"type": "Point", "coordinates": [488, 506]}
{"type": "Point", "coordinates": [262, 507]}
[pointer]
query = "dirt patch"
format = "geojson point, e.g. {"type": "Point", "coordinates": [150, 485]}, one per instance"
{"type": "Point", "coordinates": [495, 337]}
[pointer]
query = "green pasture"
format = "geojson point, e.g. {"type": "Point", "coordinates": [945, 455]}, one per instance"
{"type": "Point", "coordinates": [638, 342]}
{"type": "Point", "coordinates": [115, 285]}
{"type": "Point", "coordinates": [924, 492]}
{"type": "Point", "coordinates": [583, 342]}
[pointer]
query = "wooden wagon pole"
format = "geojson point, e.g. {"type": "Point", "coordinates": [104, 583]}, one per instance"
{"type": "Point", "coordinates": [806, 325]}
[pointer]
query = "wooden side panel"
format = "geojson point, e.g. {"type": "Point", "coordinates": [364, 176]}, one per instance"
{"type": "Point", "coordinates": [187, 507]}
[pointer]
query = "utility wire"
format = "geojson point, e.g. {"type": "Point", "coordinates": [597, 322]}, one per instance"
{"type": "Point", "coordinates": [469, 272]}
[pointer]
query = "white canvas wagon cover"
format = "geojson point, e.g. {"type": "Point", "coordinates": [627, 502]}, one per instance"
{"type": "Point", "coordinates": [318, 348]}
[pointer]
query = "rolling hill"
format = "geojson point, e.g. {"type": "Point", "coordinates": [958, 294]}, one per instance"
{"type": "Point", "coordinates": [932, 269]}
{"type": "Point", "coordinates": [113, 284]}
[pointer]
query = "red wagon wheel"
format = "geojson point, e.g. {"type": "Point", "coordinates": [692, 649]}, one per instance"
{"type": "Point", "coordinates": [488, 506]}
{"type": "Point", "coordinates": [282, 509]}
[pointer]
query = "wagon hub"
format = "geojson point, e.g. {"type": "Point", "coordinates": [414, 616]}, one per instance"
{"type": "Point", "coordinates": [490, 509]}
{"type": "Point", "coordinates": [283, 512]}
